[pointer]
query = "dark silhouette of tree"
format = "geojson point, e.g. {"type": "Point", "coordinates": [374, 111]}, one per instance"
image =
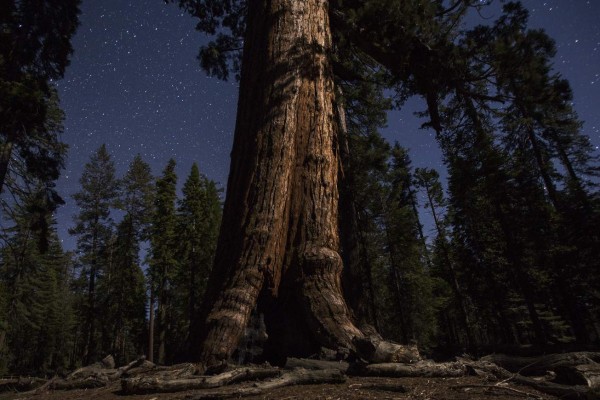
{"type": "Point", "coordinates": [122, 288]}
{"type": "Point", "coordinates": [36, 334]}
{"type": "Point", "coordinates": [35, 47]}
{"type": "Point", "coordinates": [93, 228]}
{"type": "Point", "coordinates": [198, 222]}
{"type": "Point", "coordinates": [163, 262]}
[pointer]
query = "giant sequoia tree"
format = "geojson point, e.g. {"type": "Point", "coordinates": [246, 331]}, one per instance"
{"type": "Point", "coordinates": [279, 244]}
{"type": "Point", "coordinates": [280, 237]}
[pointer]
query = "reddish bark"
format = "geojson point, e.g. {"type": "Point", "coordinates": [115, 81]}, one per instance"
{"type": "Point", "coordinates": [279, 238]}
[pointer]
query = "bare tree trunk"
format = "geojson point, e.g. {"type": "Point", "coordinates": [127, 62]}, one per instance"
{"type": "Point", "coordinates": [162, 326]}
{"type": "Point", "coordinates": [90, 334]}
{"type": "Point", "coordinates": [456, 287]}
{"type": "Point", "coordinates": [279, 236]}
{"type": "Point", "coordinates": [151, 327]}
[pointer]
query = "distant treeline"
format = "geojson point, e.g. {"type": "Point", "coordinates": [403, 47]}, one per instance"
{"type": "Point", "coordinates": [60, 310]}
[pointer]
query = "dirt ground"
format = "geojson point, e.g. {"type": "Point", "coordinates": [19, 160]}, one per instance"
{"type": "Point", "coordinates": [469, 388]}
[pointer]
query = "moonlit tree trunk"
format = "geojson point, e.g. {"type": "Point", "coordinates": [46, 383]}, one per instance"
{"type": "Point", "coordinates": [279, 237]}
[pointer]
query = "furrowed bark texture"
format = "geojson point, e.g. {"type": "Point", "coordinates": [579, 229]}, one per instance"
{"type": "Point", "coordinates": [279, 237]}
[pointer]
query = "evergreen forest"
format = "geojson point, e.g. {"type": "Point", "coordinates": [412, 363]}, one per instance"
{"type": "Point", "coordinates": [502, 256]}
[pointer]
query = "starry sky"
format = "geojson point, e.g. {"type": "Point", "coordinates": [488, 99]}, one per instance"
{"type": "Point", "coordinates": [134, 84]}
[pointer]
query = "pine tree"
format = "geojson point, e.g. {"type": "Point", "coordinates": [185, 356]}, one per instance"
{"type": "Point", "coordinates": [198, 222]}
{"type": "Point", "coordinates": [444, 265]}
{"type": "Point", "coordinates": [93, 228]}
{"type": "Point", "coordinates": [163, 262]}
{"type": "Point", "coordinates": [363, 165]}
{"type": "Point", "coordinates": [537, 125]}
{"type": "Point", "coordinates": [408, 271]}
{"type": "Point", "coordinates": [123, 287]}
{"type": "Point", "coordinates": [122, 297]}
{"type": "Point", "coordinates": [37, 310]}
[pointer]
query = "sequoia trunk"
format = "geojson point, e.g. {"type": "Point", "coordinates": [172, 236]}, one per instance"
{"type": "Point", "coordinates": [279, 236]}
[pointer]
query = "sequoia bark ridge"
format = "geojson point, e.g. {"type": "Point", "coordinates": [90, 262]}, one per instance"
{"type": "Point", "coordinates": [279, 236]}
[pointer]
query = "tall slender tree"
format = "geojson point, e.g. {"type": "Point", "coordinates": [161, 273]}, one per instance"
{"type": "Point", "coordinates": [93, 228]}
{"type": "Point", "coordinates": [36, 336]}
{"type": "Point", "coordinates": [123, 293]}
{"type": "Point", "coordinates": [163, 263]}
{"type": "Point", "coordinates": [198, 221]}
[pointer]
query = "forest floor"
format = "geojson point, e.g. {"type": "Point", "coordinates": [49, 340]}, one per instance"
{"type": "Point", "coordinates": [467, 387]}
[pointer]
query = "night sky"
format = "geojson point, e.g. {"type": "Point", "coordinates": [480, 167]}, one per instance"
{"type": "Point", "coordinates": [135, 84]}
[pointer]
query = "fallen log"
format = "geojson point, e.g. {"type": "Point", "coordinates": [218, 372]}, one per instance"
{"type": "Point", "coordinates": [310, 364]}
{"type": "Point", "coordinates": [563, 391]}
{"type": "Point", "coordinates": [376, 350]}
{"type": "Point", "coordinates": [169, 384]}
{"type": "Point", "coordinates": [466, 367]}
{"type": "Point", "coordinates": [104, 367]}
{"type": "Point", "coordinates": [91, 382]}
{"type": "Point", "coordinates": [142, 368]}
{"type": "Point", "coordinates": [295, 377]}
{"type": "Point", "coordinates": [172, 371]}
{"type": "Point", "coordinates": [420, 369]}
{"type": "Point", "coordinates": [539, 365]}
{"type": "Point", "coordinates": [96, 375]}
{"type": "Point", "coordinates": [20, 384]}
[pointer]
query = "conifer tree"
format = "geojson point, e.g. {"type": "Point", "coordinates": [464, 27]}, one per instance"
{"type": "Point", "coordinates": [36, 336]}
{"type": "Point", "coordinates": [93, 228]}
{"type": "Point", "coordinates": [198, 222]}
{"type": "Point", "coordinates": [163, 262]}
{"type": "Point", "coordinates": [427, 180]}
{"type": "Point", "coordinates": [363, 165]}
{"type": "Point", "coordinates": [409, 278]}
{"type": "Point", "coordinates": [123, 286]}
{"type": "Point", "coordinates": [122, 297]}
